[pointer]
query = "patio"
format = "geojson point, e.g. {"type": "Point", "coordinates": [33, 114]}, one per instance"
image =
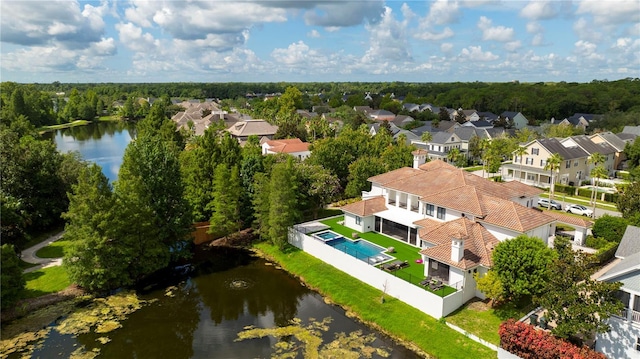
{"type": "Point", "coordinates": [413, 274]}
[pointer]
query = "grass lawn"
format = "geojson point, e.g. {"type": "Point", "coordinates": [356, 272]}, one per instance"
{"type": "Point", "coordinates": [479, 319]}
{"type": "Point", "coordinates": [45, 281]}
{"type": "Point", "coordinates": [393, 316]}
{"type": "Point", "coordinates": [63, 125]}
{"type": "Point", "coordinates": [414, 273]}
{"type": "Point", "coordinates": [581, 200]}
{"type": "Point", "coordinates": [54, 250]}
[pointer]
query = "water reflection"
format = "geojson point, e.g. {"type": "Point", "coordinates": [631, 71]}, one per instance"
{"type": "Point", "coordinates": [102, 142]}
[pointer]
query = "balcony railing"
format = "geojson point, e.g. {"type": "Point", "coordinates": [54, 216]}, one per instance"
{"type": "Point", "coordinates": [635, 316]}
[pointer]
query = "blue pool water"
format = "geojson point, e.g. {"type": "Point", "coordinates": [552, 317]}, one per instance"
{"type": "Point", "coordinates": [359, 249]}
{"type": "Point", "coordinates": [328, 235]}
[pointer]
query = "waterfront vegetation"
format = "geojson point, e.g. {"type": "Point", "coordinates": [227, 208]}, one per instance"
{"type": "Point", "coordinates": [46, 281]}
{"type": "Point", "coordinates": [394, 317]}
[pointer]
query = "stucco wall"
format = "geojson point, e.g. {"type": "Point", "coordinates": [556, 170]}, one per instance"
{"type": "Point", "coordinates": [620, 342]}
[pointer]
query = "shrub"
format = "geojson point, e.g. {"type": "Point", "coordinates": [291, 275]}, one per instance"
{"type": "Point", "coordinates": [595, 242]}
{"type": "Point", "coordinates": [526, 342]}
{"type": "Point", "coordinates": [611, 197]}
{"type": "Point", "coordinates": [561, 188]}
{"type": "Point", "coordinates": [610, 228]}
{"type": "Point", "coordinates": [623, 175]}
{"type": "Point", "coordinates": [606, 252]}
{"type": "Point", "coordinates": [585, 192]}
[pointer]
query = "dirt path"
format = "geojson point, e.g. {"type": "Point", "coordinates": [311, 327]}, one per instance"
{"type": "Point", "coordinates": [29, 255]}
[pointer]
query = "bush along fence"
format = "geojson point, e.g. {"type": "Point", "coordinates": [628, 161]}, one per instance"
{"type": "Point", "coordinates": [524, 341]}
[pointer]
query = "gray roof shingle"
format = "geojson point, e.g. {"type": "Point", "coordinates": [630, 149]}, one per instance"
{"type": "Point", "coordinates": [630, 242]}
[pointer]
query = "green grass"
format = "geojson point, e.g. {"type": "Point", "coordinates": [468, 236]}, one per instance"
{"type": "Point", "coordinates": [54, 250]}
{"type": "Point", "coordinates": [414, 273]}
{"type": "Point", "coordinates": [478, 319]}
{"type": "Point", "coordinates": [474, 168]}
{"type": "Point", "coordinates": [45, 281]}
{"type": "Point", "coordinates": [63, 125]}
{"type": "Point", "coordinates": [393, 316]}
{"type": "Point", "coordinates": [581, 200]}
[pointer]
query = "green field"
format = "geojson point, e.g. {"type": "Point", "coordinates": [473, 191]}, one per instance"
{"type": "Point", "coordinates": [54, 250]}
{"type": "Point", "coordinates": [45, 281]}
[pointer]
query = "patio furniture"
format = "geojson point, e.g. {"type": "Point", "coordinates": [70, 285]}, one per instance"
{"type": "Point", "coordinates": [436, 285]}
{"type": "Point", "coordinates": [395, 265]}
{"type": "Point", "coordinates": [426, 281]}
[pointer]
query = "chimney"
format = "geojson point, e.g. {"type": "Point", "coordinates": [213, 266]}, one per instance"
{"type": "Point", "coordinates": [419, 157]}
{"type": "Point", "coordinates": [457, 247]}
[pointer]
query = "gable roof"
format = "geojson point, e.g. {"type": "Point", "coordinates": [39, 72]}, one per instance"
{"type": "Point", "coordinates": [630, 242]}
{"type": "Point", "coordinates": [481, 123]}
{"type": "Point", "coordinates": [252, 127]}
{"type": "Point", "coordinates": [591, 147]}
{"type": "Point", "coordinates": [635, 130]}
{"type": "Point", "coordinates": [626, 271]}
{"type": "Point", "coordinates": [568, 153]}
{"type": "Point", "coordinates": [509, 114]}
{"type": "Point", "coordinates": [366, 207]}
{"type": "Point", "coordinates": [569, 219]}
{"type": "Point", "coordinates": [613, 140]}
{"type": "Point", "coordinates": [478, 243]}
{"type": "Point", "coordinates": [291, 145]}
{"type": "Point", "coordinates": [525, 189]}
{"type": "Point", "coordinates": [465, 133]}
{"type": "Point", "coordinates": [441, 137]}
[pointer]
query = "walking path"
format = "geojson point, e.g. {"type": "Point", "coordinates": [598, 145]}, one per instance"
{"type": "Point", "coordinates": [29, 255]}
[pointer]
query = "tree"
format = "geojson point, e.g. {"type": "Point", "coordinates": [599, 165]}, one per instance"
{"type": "Point", "coordinates": [522, 265]}
{"type": "Point", "coordinates": [475, 147]}
{"type": "Point", "coordinates": [150, 180]}
{"type": "Point", "coordinates": [426, 137]}
{"type": "Point", "coordinates": [359, 171]}
{"type": "Point", "coordinates": [520, 152]}
{"type": "Point", "coordinates": [283, 202]}
{"type": "Point", "coordinates": [552, 165]}
{"type": "Point", "coordinates": [454, 156]}
{"type": "Point", "coordinates": [443, 114]}
{"type": "Point", "coordinates": [597, 173]}
{"type": "Point", "coordinates": [596, 159]}
{"type": "Point", "coordinates": [460, 117]}
{"type": "Point", "coordinates": [629, 200]}
{"type": "Point", "coordinates": [632, 152]}
{"type": "Point", "coordinates": [11, 281]}
{"type": "Point", "coordinates": [577, 304]}
{"type": "Point", "coordinates": [317, 187]}
{"type": "Point", "coordinates": [491, 286]}
{"type": "Point", "coordinates": [227, 201]}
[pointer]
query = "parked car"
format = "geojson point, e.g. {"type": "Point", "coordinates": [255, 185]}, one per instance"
{"type": "Point", "coordinates": [579, 209]}
{"type": "Point", "coordinates": [544, 202]}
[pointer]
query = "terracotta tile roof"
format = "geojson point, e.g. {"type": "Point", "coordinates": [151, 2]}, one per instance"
{"type": "Point", "coordinates": [569, 219]}
{"type": "Point", "coordinates": [522, 188]}
{"type": "Point", "coordinates": [288, 145]}
{"type": "Point", "coordinates": [478, 244]}
{"type": "Point", "coordinates": [400, 173]}
{"type": "Point", "coordinates": [420, 151]}
{"type": "Point", "coordinates": [513, 216]}
{"type": "Point", "coordinates": [467, 199]}
{"type": "Point", "coordinates": [432, 165]}
{"type": "Point", "coordinates": [366, 207]}
{"type": "Point", "coordinates": [427, 223]}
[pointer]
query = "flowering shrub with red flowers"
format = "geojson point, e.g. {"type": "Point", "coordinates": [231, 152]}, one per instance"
{"type": "Point", "coordinates": [527, 342]}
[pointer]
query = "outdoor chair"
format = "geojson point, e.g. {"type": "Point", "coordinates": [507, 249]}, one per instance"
{"type": "Point", "coordinates": [395, 265]}
{"type": "Point", "coordinates": [425, 282]}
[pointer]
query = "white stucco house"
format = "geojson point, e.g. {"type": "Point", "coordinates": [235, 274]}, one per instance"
{"type": "Point", "coordinates": [293, 147]}
{"type": "Point", "coordinates": [453, 218]}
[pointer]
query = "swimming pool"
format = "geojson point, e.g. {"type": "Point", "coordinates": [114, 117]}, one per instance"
{"type": "Point", "coordinates": [360, 249]}
{"type": "Point", "coordinates": [327, 235]}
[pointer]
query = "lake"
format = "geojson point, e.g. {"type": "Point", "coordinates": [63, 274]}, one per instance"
{"type": "Point", "coordinates": [226, 292]}
{"type": "Point", "coordinates": [100, 142]}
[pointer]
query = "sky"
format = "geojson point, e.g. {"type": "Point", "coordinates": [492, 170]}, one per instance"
{"type": "Point", "coordinates": [319, 40]}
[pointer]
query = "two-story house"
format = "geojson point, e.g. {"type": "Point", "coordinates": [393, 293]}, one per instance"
{"type": "Point", "coordinates": [516, 118]}
{"type": "Point", "coordinates": [623, 340]}
{"type": "Point", "coordinates": [530, 168]}
{"type": "Point", "coordinates": [453, 216]}
{"type": "Point", "coordinates": [243, 129]}
{"type": "Point", "coordinates": [615, 141]}
{"type": "Point", "coordinates": [441, 143]}
{"type": "Point", "coordinates": [292, 146]}
{"type": "Point", "coordinates": [603, 148]}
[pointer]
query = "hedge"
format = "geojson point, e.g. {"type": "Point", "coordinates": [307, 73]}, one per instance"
{"type": "Point", "coordinates": [607, 252]}
{"type": "Point", "coordinates": [527, 342]}
{"type": "Point", "coordinates": [570, 190]}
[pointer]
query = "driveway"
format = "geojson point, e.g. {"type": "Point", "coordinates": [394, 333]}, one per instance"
{"type": "Point", "coordinates": [29, 255]}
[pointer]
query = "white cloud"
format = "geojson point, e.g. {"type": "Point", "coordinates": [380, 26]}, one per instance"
{"type": "Point", "coordinates": [497, 33]}
{"type": "Point", "coordinates": [296, 54]}
{"type": "Point", "coordinates": [513, 45]}
{"type": "Point", "coordinates": [387, 40]}
{"type": "Point", "coordinates": [313, 34]}
{"type": "Point", "coordinates": [446, 47]}
{"type": "Point", "coordinates": [443, 12]}
{"type": "Point", "coordinates": [434, 36]}
{"type": "Point", "coordinates": [537, 40]}
{"type": "Point", "coordinates": [586, 31]}
{"type": "Point", "coordinates": [587, 50]}
{"type": "Point", "coordinates": [343, 14]}
{"type": "Point", "coordinates": [133, 38]}
{"type": "Point", "coordinates": [610, 12]}
{"type": "Point", "coordinates": [539, 10]}
{"type": "Point", "coordinates": [474, 53]}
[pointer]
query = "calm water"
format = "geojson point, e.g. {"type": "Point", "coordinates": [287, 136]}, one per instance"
{"type": "Point", "coordinates": [103, 143]}
{"type": "Point", "coordinates": [207, 312]}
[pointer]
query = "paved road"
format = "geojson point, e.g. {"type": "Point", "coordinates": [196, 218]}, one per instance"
{"type": "Point", "coordinates": [29, 255]}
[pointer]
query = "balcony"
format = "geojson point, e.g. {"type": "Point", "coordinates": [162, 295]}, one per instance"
{"type": "Point", "coordinates": [635, 316]}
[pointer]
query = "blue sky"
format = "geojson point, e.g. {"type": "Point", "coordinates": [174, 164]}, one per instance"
{"type": "Point", "coordinates": [323, 40]}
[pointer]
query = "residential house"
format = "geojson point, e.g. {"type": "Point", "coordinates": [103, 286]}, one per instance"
{"type": "Point", "coordinates": [261, 128]}
{"type": "Point", "coordinates": [478, 124]}
{"type": "Point", "coordinates": [364, 109]}
{"type": "Point", "coordinates": [530, 169]}
{"type": "Point", "coordinates": [402, 120]}
{"type": "Point", "coordinates": [574, 122]}
{"type": "Point", "coordinates": [488, 116]}
{"type": "Point", "coordinates": [615, 141]}
{"type": "Point", "coordinates": [516, 118]}
{"type": "Point", "coordinates": [603, 148]}
{"type": "Point", "coordinates": [429, 107]}
{"type": "Point", "coordinates": [293, 147]}
{"type": "Point", "coordinates": [411, 107]}
{"type": "Point", "coordinates": [623, 340]}
{"type": "Point", "coordinates": [453, 217]}
{"type": "Point", "coordinates": [634, 130]}
{"type": "Point", "coordinates": [469, 115]}
{"type": "Point", "coordinates": [382, 115]}
{"type": "Point", "coordinates": [448, 126]}
{"type": "Point", "coordinates": [441, 143]}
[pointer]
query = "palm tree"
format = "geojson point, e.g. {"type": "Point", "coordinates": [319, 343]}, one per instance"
{"type": "Point", "coordinates": [520, 152]}
{"type": "Point", "coordinates": [597, 173]}
{"type": "Point", "coordinates": [454, 155]}
{"type": "Point", "coordinates": [426, 137]}
{"type": "Point", "coordinates": [596, 158]}
{"type": "Point", "coordinates": [553, 164]}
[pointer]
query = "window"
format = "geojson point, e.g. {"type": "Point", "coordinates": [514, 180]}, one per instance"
{"type": "Point", "coordinates": [542, 163]}
{"type": "Point", "coordinates": [575, 164]}
{"type": "Point", "coordinates": [429, 210]}
{"type": "Point", "coordinates": [638, 344]}
{"type": "Point", "coordinates": [441, 212]}
{"type": "Point", "coordinates": [535, 151]}
{"type": "Point", "coordinates": [358, 220]}
{"type": "Point", "coordinates": [529, 161]}
{"type": "Point", "coordinates": [567, 164]}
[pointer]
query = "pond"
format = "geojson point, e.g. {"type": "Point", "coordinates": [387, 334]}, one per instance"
{"type": "Point", "coordinates": [206, 310]}
{"type": "Point", "coordinates": [100, 142]}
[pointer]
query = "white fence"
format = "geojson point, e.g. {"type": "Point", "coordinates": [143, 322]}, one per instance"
{"type": "Point", "coordinates": [413, 295]}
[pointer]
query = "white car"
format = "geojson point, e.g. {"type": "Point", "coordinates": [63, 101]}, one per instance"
{"type": "Point", "coordinates": [579, 209]}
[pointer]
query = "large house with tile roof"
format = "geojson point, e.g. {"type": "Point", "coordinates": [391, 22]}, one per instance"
{"type": "Point", "coordinates": [292, 146]}
{"type": "Point", "coordinates": [453, 217]}
{"type": "Point", "coordinates": [623, 340]}
{"type": "Point", "coordinates": [243, 129]}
